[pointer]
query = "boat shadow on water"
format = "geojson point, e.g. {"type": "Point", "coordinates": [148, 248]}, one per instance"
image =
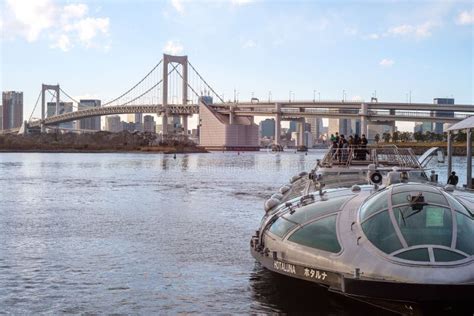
{"type": "Point", "coordinates": [275, 293]}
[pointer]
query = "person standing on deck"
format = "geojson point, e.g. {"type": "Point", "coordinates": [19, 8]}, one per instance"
{"type": "Point", "coordinates": [453, 179]}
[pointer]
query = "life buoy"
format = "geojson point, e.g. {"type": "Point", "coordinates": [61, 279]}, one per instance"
{"type": "Point", "coordinates": [376, 177]}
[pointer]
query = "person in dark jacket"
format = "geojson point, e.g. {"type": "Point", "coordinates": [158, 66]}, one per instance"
{"type": "Point", "coordinates": [453, 179]}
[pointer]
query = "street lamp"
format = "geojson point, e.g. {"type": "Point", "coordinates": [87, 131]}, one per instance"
{"type": "Point", "coordinates": [269, 96]}
{"type": "Point", "coordinates": [343, 95]}
{"type": "Point", "coordinates": [314, 95]}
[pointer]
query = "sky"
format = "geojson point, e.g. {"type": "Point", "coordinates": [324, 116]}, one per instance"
{"type": "Point", "coordinates": [99, 49]}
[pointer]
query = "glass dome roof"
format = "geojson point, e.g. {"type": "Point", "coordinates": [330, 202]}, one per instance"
{"type": "Point", "coordinates": [418, 222]}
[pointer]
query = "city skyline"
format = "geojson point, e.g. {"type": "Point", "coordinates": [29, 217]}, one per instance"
{"type": "Point", "coordinates": [305, 49]}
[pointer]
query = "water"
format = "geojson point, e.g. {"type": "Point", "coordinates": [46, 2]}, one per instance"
{"type": "Point", "coordinates": [146, 233]}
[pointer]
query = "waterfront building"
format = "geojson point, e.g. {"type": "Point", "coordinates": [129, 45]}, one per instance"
{"type": "Point", "coordinates": [91, 123]}
{"type": "Point", "coordinates": [64, 107]}
{"type": "Point", "coordinates": [226, 132]}
{"type": "Point", "coordinates": [356, 128]}
{"type": "Point", "coordinates": [12, 102]}
{"type": "Point", "coordinates": [295, 136]}
{"type": "Point", "coordinates": [308, 139]}
{"type": "Point", "coordinates": [267, 128]}
{"type": "Point", "coordinates": [423, 127]}
{"type": "Point", "coordinates": [316, 125]}
{"type": "Point", "coordinates": [341, 126]}
{"type": "Point", "coordinates": [137, 120]}
{"type": "Point", "coordinates": [438, 126]}
{"type": "Point", "coordinates": [1, 117]}
{"type": "Point", "coordinates": [132, 127]}
{"type": "Point", "coordinates": [149, 124]}
{"type": "Point", "coordinates": [374, 129]}
{"type": "Point", "coordinates": [113, 124]}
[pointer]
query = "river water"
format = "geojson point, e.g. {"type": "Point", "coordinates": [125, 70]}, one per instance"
{"type": "Point", "coordinates": [147, 233]}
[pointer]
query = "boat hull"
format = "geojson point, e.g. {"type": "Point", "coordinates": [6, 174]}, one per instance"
{"type": "Point", "coordinates": [367, 289]}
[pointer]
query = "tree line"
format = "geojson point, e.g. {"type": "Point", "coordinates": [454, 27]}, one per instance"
{"type": "Point", "coordinates": [427, 136]}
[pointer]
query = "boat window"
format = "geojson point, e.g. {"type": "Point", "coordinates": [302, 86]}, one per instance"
{"type": "Point", "coordinates": [464, 240]}
{"type": "Point", "coordinates": [308, 212]}
{"type": "Point", "coordinates": [281, 226]}
{"type": "Point", "coordinates": [379, 230]}
{"type": "Point", "coordinates": [444, 255]}
{"type": "Point", "coordinates": [420, 254]}
{"type": "Point", "coordinates": [430, 224]}
{"type": "Point", "coordinates": [320, 234]}
{"type": "Point", "coordinates": [405, 197]}
{"type": "Point", "coordinates": [457, 205]}
{"type": "Point", "coordinates": [377, 202]}
{"type": "Point", "coordinates": [414, 188]}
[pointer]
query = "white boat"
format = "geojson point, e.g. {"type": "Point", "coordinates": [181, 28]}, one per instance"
{"type": "Point", "coordinates": [372, 226]}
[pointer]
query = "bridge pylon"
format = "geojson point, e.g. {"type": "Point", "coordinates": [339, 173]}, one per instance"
{"type": "Point", "coordinates": [183, 61]}
{"type": "Point", "coordinates": [44, 88]}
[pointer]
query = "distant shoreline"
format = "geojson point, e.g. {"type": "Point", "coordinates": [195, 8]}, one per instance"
{"type": "Point", "coordinates": [101, 142]}
{"type": "Point", "coordinates": [459, 149]}
{"type": "Point", "coordinates": [100, 151]}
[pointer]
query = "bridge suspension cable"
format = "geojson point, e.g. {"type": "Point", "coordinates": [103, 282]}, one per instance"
{"type": "Point", "coordinates": [66, 94]}
{"type": "Point", "coordinates": [34, 108]}
{"type": "Point", "coordinates": [189, 86]}
{"type": "Point", "coordinates": [200, 77]}
{"type": "Point", "coordinates": [136, 85]}
{"type": "Point", "coordinates": [149, 89]}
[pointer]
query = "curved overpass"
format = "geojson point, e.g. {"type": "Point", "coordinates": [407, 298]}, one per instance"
{"type": "Point", "coordinates": [114, 110]}
{"type": "Point", "coordinates": [288, 110]}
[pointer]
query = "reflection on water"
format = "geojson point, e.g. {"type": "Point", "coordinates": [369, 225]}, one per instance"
{"type": "Point", "coordinates": [146, 233]}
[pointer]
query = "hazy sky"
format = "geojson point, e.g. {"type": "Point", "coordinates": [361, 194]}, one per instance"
{"type": "Point", "coordinates": [101, 48]}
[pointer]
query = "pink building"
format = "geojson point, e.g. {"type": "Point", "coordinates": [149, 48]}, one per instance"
{"type": "Point", "coordinates": [218, 133]}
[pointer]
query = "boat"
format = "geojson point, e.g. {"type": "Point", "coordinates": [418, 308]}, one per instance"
{"type": "Point", "coordinates": [398, 244]}
{"type": "Point", "coordinates": [344, 167]}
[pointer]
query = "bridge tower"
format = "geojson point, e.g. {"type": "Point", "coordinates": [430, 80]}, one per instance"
{"type": "Point", "coordinates": [44, 88]}
{"type": "Point", "coordinates": [183, 61]}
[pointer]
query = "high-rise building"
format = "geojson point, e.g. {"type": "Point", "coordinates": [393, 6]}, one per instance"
{"type": "Point", "coordinates": [295, 125]}
{"type": "Point", "coordinates": [438, 126]}
{"type": "Point", "coordinates": [113, 124]}
{"type": "Point", "coordinates": [12, 109]}
{"type": "Point", "coordinates": [1, 117]}
{"type": "Point", "coordinates": [316, 126]}
{"type": "Point", "coordinates": [374, 129]}
{"type": "Point", "coordinates": [341, 126]}
{"type": "Point", "coordinates": [149, 124]}
{"type": "Point", "coordinates": [356, 128]}
{"type": "Point", "coordinates": [91, 123]}
{"type": "Point", "coordinates": [423, 127]}
{"type": "Point", "coordinates": [64, 107]}
{"type": "Point", "coordinates": [267, 128]}
{"type": "Point", "coordinates": [135, 118]}
{"type": "Point", "coordinates": [308, 139]}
